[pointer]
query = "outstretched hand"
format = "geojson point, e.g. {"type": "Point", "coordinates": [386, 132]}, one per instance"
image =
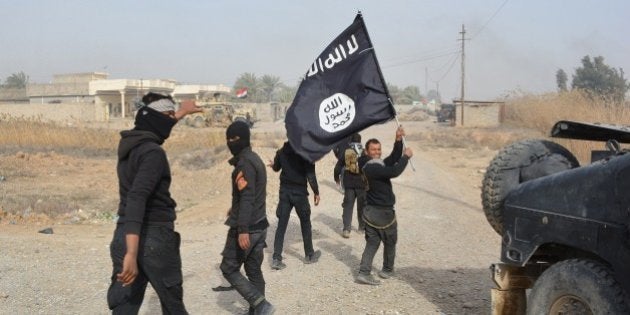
{"type": "Point", "coordinates": [187, 107]}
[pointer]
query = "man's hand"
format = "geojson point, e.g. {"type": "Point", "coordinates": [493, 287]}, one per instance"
{"type": "Point", "coordinates": [130, 261]}
{"type": "Point", "coordinates": [316, 200]}
{"type": "Point", "coordinates": [400, 133]}
{"type": "Point", "coordinates": [270, 164]}
{"type": "Point", "coordinates": [243, 241]}
{"type": "Point", "coordinates": [408, 152]}
{"type": "Point", "coordinates": [187, 107]}
{"type": "Point", "coordinates": [130, 270]}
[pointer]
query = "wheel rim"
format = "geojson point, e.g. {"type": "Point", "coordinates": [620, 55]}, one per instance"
{"type": "Point", "coordinates": [570, 304]}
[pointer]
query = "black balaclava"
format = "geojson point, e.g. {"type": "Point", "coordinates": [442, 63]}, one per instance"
{"type": "Point", "coordinates": [148, 119]}
{"type": "Point", "coordinates": [240, 129]}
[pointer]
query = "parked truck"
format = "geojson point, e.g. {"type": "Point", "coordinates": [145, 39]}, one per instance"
{"type": "Point", "coordinates": [565, 228]}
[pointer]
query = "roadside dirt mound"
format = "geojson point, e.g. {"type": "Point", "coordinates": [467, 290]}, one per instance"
{"type": "Point", "coordinates": [415, 114]}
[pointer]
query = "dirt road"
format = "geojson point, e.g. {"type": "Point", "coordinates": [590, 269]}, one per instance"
{"type": "Point", "coordinates": [445, 246]}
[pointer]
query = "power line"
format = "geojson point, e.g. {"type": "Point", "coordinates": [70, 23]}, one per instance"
{"type": "Point", "coordinates": [490, 19]}
{"type": "Point", "coordinates": [422, 54]}
{"type": "Point", "coordinates": [449, 68]}
{"type": "Point", "coordinates": [422, 59]}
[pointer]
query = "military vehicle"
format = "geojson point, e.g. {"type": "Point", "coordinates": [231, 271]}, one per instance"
{"type": "Point", "coordinates": [215, 114]}
{"type": "Point", "coordinates": [246, 114]}
{"type": "Point", "coordinates": [446, 113]}
{"type": "Point", "coordinates": [565, 228]}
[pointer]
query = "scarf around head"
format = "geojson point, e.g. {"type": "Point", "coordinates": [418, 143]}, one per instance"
{"type": "Point", "coordinates": [149, 119]}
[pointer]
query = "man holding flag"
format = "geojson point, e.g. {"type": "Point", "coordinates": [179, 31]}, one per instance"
{"type": "Point", "coordinates": [345, 92]}
{"type": "Point", "coordinates": [379, 214]}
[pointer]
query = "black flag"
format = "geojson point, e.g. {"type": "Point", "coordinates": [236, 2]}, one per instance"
{"type": "Point", "coordinates": [343, 92]}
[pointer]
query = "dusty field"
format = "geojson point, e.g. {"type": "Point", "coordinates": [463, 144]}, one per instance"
{"type": "Point", "coordinates": [444, 250]}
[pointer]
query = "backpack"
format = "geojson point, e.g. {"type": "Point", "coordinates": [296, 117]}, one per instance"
{"type": "Point", "coordinates": [351, 158]}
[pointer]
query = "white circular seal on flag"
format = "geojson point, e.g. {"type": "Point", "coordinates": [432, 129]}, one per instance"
{"type": "Point", "coordinates": [336, 112]}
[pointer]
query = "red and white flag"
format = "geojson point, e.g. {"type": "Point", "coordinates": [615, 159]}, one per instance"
{"type": "Point", "coordinates": [241, 93]}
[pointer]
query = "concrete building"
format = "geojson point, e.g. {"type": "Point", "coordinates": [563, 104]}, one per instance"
{"type": "Point", "coordinates": [479, 113]}
{"type": "Point", "coordinates": [93, 92]}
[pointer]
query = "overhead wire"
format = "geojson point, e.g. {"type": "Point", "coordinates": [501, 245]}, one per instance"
{"type": "Point", "coordinates": [490, 19]}
{"type": "Point", "coordinates": [426, 58]}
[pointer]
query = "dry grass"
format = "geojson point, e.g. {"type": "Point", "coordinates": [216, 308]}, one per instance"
{"type": "Point", "coordinates": [33, 134]}
{"type": "Point", "coordinates": [472, 138]}
{"type": "Point", "coordinates": [541, 112]}
{"type": "Point", "coordinates": [36, 135]}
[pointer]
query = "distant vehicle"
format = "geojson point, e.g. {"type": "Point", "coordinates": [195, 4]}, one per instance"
{"type": "Point", "coordinates": [446, 113]}
{"type": "Point", "coordinates": [565, 228]}
{"type": "Point", "coordinates": [245, 114]}
{"type": "Point", "coordinates": [215, 114]}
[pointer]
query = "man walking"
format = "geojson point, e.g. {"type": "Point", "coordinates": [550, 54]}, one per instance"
{"type": "Point", "coordinates": [247, 220]}
{"type": "Point", "coordinates": [349, 176]}
{"type": "Point", "coordinates": [145, 246]}
{"type": "Point", "coordinates": [379, 214]}
{"type": "Point", "coordinates": [296, 171]}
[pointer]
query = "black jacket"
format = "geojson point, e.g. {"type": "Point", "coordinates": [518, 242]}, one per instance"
{"type": "Point", "coordinates": [350, 180]}
{"type": "Point", "coordinates": [296, 171]}
{"type": "Point", "coordinates": [144, 178]}
{"type": "Point", "coordinates": [249, 191]}
{"type": "Point", "coordinates": [379, 174]}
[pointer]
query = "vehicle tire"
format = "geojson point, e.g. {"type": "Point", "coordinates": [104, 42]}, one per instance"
{"type": "Point", "coordinates": [577, 286]}
{"type": "Point", "coordinates": [517, 163]}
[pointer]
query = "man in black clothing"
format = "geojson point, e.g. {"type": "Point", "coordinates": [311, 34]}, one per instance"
{"type": "Point", "coordinates": [353, 183]}
{"type": "Point", "coordinates": [379, 214]}
{"type": "Point", "coordinates": [145, 247]}
{"type": "Point", "coordinates": [247, 220]}
{"type": "Point", "coordinates": [296, 171]}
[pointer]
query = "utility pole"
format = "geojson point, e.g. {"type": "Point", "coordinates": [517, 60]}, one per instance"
{"type": "Point", "coordinates": [426, 80]}
{"type": "Point", "coordinates": [463, 32]}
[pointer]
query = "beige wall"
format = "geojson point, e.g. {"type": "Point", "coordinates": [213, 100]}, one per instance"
{"type": "Point", "coordinates": [479, 115]}
{"type": "Point", "coordinates": [56, 112]}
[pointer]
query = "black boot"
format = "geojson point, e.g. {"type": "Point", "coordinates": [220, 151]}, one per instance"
{"type": "Point", "coordinates": [264, 308]}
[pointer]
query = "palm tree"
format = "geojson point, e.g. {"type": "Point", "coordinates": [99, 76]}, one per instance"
{"type": "Point", "coordinates": [269, 84]}
{"type": "Point", "coordinates": [250, 81]}
{"type": "Point", "coordinates": [286, 93]}
{"type": "Point", "coordinates": [16, 81]}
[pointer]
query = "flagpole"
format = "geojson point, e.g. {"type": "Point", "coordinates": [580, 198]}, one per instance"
{"type": "Point", "coordinates": [403, 137]}
{"type": "Point", "coordinates": [380, 73]}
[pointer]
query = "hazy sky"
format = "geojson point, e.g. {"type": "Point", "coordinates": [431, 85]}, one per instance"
{"type": "Point", "coordinates": [513, 45]}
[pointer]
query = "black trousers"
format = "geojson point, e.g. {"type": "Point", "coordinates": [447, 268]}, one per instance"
{"type": "Point", "coordinates": [349, 196]}
{"type": "Point", "coordinates": [251, 288]}
{"type": "Point", "coordinates": [289, 200]}
{"type": "Point", "coordinates": [373, 239]}
{"type": "Point", "coordinates": [159, 262]}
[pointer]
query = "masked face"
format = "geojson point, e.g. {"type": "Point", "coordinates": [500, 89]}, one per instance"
{"type": "Point", "coordinates": [237, 136]}
{"type": "Point", "coordinates": [160, 123]}
{"type": "Point", "coordinates": [236, 145]}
